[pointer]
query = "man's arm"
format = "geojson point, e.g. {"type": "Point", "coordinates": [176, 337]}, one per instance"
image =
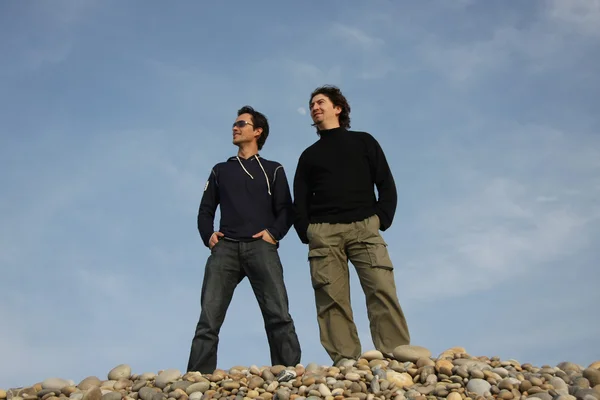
{"type": "Point", "coordinates": [208, 207]}
{"type": "Point", "coordinates": [282, 205]}
{"type": "Point", "coordinates": [301, 200]}
{"type": "Point", "coordinates": [386, 187]}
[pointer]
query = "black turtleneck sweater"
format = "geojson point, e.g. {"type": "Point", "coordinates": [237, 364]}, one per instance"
{"type": "Point", "coordinates": [335, 181]}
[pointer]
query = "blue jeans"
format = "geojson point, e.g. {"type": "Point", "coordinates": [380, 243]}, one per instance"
{"type": "Point", "coordinates": [229, 262]}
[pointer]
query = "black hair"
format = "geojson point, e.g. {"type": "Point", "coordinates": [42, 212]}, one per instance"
{"type": "Point", "coordinates": [259, 121]}
{"type": "Point", "coordinates": [337, 98]}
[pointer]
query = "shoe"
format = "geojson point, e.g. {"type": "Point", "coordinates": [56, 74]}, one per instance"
{"type": "Point", "coordinates": [286, 375]}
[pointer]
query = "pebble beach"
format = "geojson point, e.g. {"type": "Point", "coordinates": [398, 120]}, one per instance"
{"type": "Point", "coordinates": [410, 373]}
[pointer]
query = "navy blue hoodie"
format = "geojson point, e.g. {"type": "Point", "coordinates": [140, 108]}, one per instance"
{"type": "Point", "coordinates": [254, 195]}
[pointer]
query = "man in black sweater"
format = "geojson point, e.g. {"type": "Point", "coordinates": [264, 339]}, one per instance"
{"type": "Point", "coordinates": [256, 213]}
{"type": "Point", "coordinates": [339, 217]}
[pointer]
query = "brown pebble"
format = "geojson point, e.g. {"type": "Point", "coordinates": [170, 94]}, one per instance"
{"type": "Point", "coordinates": [444, 367]}
{"type": "Point", "coordinates": [535, 381]}
{"type": "Point", "coordinates": [535, 389]}
{"type": "Point", "coordinates": [93, 394]}
{"type": "Point", "coordinates": [525, 386]}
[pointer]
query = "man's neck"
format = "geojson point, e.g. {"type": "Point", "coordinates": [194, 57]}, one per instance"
{"type": "Point", "coordinates": [326, 125]}
{"type": "Point", "coordinates": [247, 151]}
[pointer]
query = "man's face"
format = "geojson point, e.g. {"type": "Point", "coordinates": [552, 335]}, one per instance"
{"type": "Point", "coordinates": [323, 111]}
{"type": "Point", "coordinates": [243, 130]}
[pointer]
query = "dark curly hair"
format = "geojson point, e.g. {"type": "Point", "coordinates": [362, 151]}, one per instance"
{"type": "Point", "coordinates": [337, 98]}
{"type": "Point", "coordinates": [260, 121]}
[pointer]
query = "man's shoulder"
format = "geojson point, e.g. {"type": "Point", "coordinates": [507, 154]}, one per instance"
{"type": "Point", "coordinates": [272, 164]}
{"type": "Point", "coordinates": [219, 165]}
{"type": "Point", "coordinates": [311, 149]}
{"type": "Point", "coordinates": [362, 135]}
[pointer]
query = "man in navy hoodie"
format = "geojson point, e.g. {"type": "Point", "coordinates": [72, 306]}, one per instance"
{"type": "Point", "coordinates": [256, 213]}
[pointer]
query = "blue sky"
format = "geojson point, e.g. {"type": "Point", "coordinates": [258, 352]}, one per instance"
{"type": "Point", "coordinates": [112, 114]}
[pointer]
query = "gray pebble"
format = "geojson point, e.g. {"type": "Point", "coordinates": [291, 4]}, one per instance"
{"type": "Point", "coordinates": [479, 386]}
{"type": "Point", "coordinates": [112, 396]}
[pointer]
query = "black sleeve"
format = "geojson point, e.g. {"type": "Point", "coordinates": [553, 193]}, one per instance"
{"type": "Point", "coordinates": [301, 199]}
{"type": "Point", "coordinates": [386, 187]}
{"type": "Point", "coordinates": [208, 207]}
{"type": "Point", "coordinates": [282, 205]}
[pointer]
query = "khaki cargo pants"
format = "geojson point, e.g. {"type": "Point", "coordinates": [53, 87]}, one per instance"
{"type": "Point", "coordinates": [330, 247]}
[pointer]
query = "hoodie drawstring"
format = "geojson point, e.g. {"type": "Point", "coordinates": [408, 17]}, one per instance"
{"type": "Point", "coordinates": [244, 168]}
{"type": "Point", "coordinates": [266, 177]}
{"type": "Point", "coordinates": [261, 167]}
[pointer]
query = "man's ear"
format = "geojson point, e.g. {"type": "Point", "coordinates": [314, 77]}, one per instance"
{"type": "Point", "coordinates": [338, 110]}
{"type": "Point", "coordinates": [258, 131]}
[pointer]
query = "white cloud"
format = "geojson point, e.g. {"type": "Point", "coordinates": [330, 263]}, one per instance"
{"type": "Point", "coordinates": [546, 199]}
{"type": "Point", "coordinates": [301, 111]}
{"type": "Point", "coordinates": [356, 37]}
{"type": "Point", "coordinates": [499, 227]}
{"type": "Point", "coordinates": [543, 43]}
{"type": "Point", "coordinates": [581, 16]}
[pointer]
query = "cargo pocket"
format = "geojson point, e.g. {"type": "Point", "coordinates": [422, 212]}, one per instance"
{"type": "Point", "coordinates": [377, 252]}
{"type": "Point", "coordinates": [319, 265]}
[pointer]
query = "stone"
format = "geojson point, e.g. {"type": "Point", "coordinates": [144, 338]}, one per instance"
{"type": "Point", "coordinates": [112, 396]}
{"type": "Point", "coordinates": [89, 382]}
{"type": "Point", "coordinates": [147, 376]}
{"type": "Point", "coordinates": [595, 365]}
{"type": "Point", "coordinates": [501, 372]}
{"type": "Point", "coordinates": [559, 385]}
{"type": "Point", "coordinates": [255, 382]}
{"type": "Point", "coordinates": [324, 390]}
{"type": "Point", "coordinates": [592, 375]}
{"type": "Point", "coordinates": [372, 355]}
{"type": "Point", "coordinates": [55, 383]}
{"type": "Point", "coordinates": [138, 385]}
{"type": "Point", "coordinates": [444, 367]}
{"type": "Point", "coordinates": [272, 386]}
{"type": "Point", "coordinates": [410, 353]}
{"type": "Point", "coordinates": [146, 393]}
{"type": "Point", "coordinates": [67, 390]}
{"type": "Point", "coordinates": [352, 376]}
{"type": "Point", "coordinates": [123, 384]}
{"type": "Point", "coordinates": [454, 396]}
{"type": "Point", "coordinates": [167, 376]}
{"type": "Point", "coordinates": [313, 367]}
{"type": "Point", "coordinates": [569, 366]}
{"type": "Point", "coordinates": [93, 394]}
{"type": "Point", "coordinates": [282, 394]}
{"type": "Point", "coordinates": [479, 386]}
{"type": "Point", "coordinates": [276, 369]}
{"type": "Point", "coordinates": [400, 379]}
{"type": "Point", "coordinates": [201, 386]}
{"type": "Point", "coordinates": [120, 371]}
{"type": "Point", "coordinates": [505, 384]}
{"type": "Point", "coordinates": [267, 375]}
{"type": "Point", "coordinates": [525, 386]}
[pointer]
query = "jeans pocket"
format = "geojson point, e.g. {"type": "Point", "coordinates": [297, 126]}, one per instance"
{"type": "Point", "coordinates": [319, 266]}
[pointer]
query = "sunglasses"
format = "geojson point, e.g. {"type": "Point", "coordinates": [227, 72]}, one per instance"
{"type": "Point", "coordinates": [241, 124]}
